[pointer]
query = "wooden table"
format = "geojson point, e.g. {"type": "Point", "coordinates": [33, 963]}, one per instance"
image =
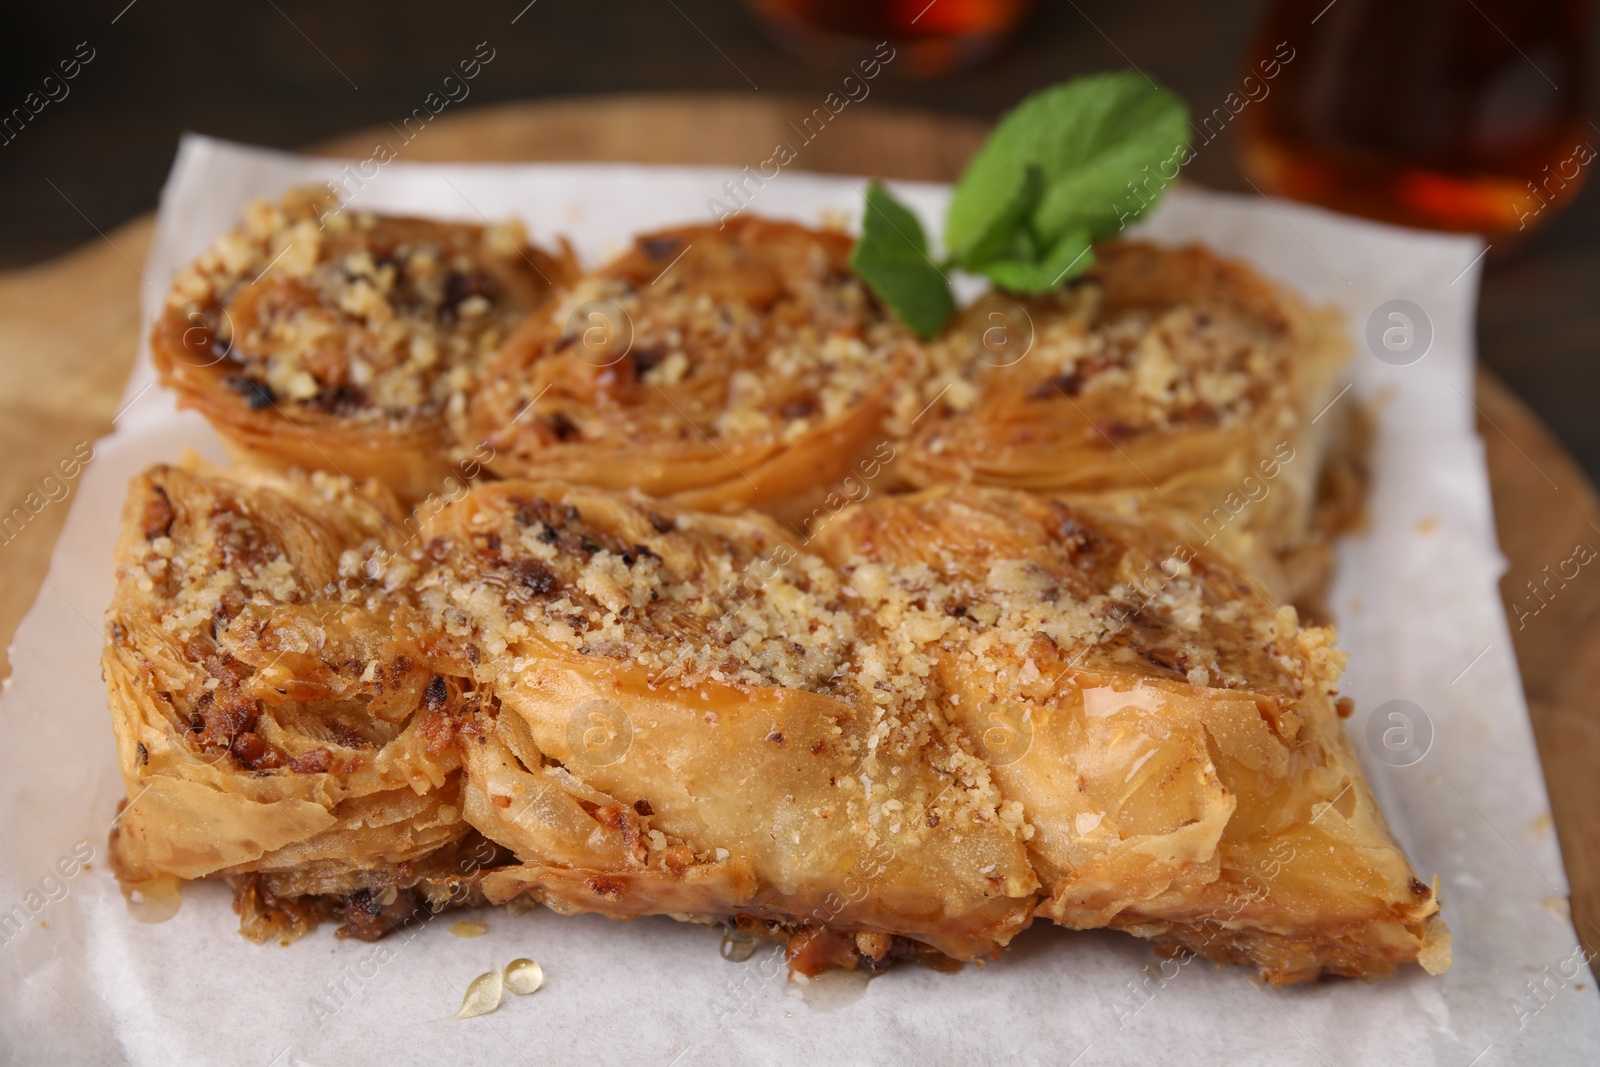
{"type": "Point", "coordinates": [69, 330]}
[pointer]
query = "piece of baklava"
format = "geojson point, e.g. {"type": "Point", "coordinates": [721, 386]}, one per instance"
{"type": "Point", "coordinates": [1164, 380]}
{"type": "Point", "coordinates": [719, 367]}
{"type": "Point", "coordinates": [571, 696]}
{"type": "Point", "coordinates": [284, 714]}
{"type": "Point", "coordinates": [977, 706]}
{"type": "Point", "coordinates": [321, 337]}
{"type": "Point", "coordinates": [681, 728]}
{"type": "Point", "coordinates": [1174, 741]}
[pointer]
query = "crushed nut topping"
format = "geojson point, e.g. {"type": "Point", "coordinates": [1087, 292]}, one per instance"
{"type": "Point", "coordinates": [317, 308]}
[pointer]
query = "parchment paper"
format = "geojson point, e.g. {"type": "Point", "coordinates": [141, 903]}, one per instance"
{"type": "Point", "coordinates": [86, 983]}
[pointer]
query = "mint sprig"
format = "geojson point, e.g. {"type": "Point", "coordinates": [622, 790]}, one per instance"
{"type": "Point", "coordinates": [892, 258]}
{"type": "Point", "coordinates": [1069, 166]}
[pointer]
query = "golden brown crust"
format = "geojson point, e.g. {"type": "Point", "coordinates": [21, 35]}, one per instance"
{"type": "Point", "coordinates": [1167, 380]}
{"type": "Point", "coordinates": [1172, 737]}
{"type": "Point", "coordinates": [1054, 685]}
{"type": "Point", "coordinates": [680, 730]}
{"type": "Point", "coordinates": [641, 709]}
{"type": "Point", "coordinates": [723, 368]}
{"type": "Point", "coordinates": [306, 707]}
{"type": "Point", "coordinates": [322, 338]}
{"type": "Point", "coordinates": [273, 689]}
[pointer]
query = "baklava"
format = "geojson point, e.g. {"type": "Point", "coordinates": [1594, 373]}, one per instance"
{"type": "Point", "coordinates": [1173, 739]}
{"type": "Point", "coordinates": [320, 336]}
{"type": "Point", "coordinates": [284, 713]}
{"type": "Point", "coordinates": [722, 368]}
{"type": "Point", "coordinates": [1165, 380]}
{"type": "Point", "coordinates": [972, 708]}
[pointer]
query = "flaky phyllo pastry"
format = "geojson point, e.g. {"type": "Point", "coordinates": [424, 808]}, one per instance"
{"type": "Point", "coordinates": [324, 337]}
{"type": "Point", "coordinates": [1164, 380]}
{"type": "Point", "coordinates": [1175, 743]}
{"type": "Point", "coordinates": [968, 709]}
{"type": "Point", "coordinates": [721, 367]}
{"type": "Point", "coordinates": [277, 717]}
{"type": "Point", "coordinates": [688, 684]}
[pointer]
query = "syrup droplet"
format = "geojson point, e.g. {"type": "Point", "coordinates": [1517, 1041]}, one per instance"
{"type": "Point", "coordinates": [524, 977]}
{"type": "Point", "coordinates": [153, 900]}
{"type": "Point", "coordinates": [831, 990]}
{"type": "Point", "coordinates": [483, 995]}
{"type": "Point", "coordinates": [737, 947]}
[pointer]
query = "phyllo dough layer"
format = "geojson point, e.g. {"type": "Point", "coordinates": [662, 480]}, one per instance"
{"type": "Point", "coordinates": [282, 709]}
{"type": "Point", "coordinates": [721, 367]}
{"type": "Point", "coordinates": [324, 337]}
{"type": "Point", "coordinates": [682, 729]}
{"type": "Point", "coordinates": [972, 708]}
{"type": "Point", "coordinates": [1165, 380]}
{"type": "Point", "coordinates": [1174, 740]}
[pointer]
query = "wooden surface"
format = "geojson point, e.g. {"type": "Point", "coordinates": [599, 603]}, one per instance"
{"type": "Point", "coordinates": [68, 334]}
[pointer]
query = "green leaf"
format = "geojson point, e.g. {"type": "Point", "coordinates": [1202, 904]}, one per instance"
{"type": "Point", "coordinates": [1068, 257]}
{"type": "Point", "coordinates": [1001, 230]}
{"type": "Point", "coordinates": [1106, 147]}
{"type": "Point", "coordinates": [892, 258]}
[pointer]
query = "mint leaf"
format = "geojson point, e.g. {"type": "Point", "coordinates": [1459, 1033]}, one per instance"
{"type": "Point", "coordinates": [1105, 147]}
{"type": "Point", "coordinates": [1002, 228]}
{"type": "Point", "coordinates": [892, 258]}
{"type": "Point", "coordinates": [1039, 273]}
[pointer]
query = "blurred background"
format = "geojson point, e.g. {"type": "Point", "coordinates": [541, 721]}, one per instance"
{"type": "Point", "coordinates": [1377, 81]}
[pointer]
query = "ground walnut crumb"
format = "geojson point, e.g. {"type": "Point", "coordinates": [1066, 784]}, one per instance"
{"type": "Point", "coordinates": [703, 600]}
{"type": "Point", "coordinates": [744, 335]}
{"type": "Point", "coordinates": [311, 306]}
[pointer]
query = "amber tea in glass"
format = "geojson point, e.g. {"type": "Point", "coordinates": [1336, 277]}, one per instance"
{"type": "Point", "coordinates": [929, 38]}
{"type": "Point", "coordinates": [1443, 114]}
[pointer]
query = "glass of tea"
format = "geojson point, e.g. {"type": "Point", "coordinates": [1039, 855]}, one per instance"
{"type": "Point", "coordinates": [929, 37]}
{"type": "Point", "coordinates": [1441, 114]}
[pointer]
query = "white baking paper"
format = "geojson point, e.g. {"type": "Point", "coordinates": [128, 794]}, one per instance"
{"type": "Point", "coordinates": [86, 983]}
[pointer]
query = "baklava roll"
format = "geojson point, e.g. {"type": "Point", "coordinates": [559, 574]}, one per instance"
{"type": "Point", "coordinates": [1164, 380]}
{"type": "Point", "coordinates": [1173, 740]}
{"type": "Point", "coordinates": [679, 728]}
{"type": "Point", "coordinates": [321, 337]}
{"type": "Point", "coordinates": [974, 706]}
{"type": "Point", "coordinates": [721, 368]}
{"type": "Point", "coordinates": [283, 713]}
